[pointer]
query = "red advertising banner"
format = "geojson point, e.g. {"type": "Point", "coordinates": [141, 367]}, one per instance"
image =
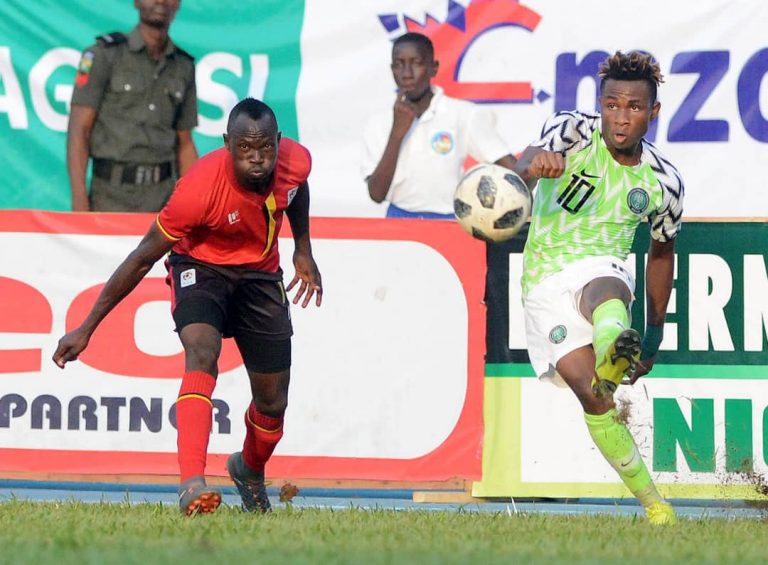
{"type": "Point", "coordinates": [386, 378]}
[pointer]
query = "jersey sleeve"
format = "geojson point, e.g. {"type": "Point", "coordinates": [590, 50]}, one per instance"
{"type": "Point", "coordinates": [294, 162]}
{"type": "Point", "coordinates": [305, 163]}
{"type": "Point", "coordinates": [666, 222]}
{"type": "Point", "coordinates": [92, 78]}
{"type": "Point", "coordinates": [484, 143]}
{"type": "Point", "coordinates": [185, 210]}
{"type": "Point", "coordinates": [567, 132]}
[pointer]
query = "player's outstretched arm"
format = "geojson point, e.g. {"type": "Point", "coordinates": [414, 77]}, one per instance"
{"type": "Point", "coordinates": [659, 273]}
{"type": "Point", "coordinates": [307, 274]}
{"type": "Point", "coordinates": [120, 284]}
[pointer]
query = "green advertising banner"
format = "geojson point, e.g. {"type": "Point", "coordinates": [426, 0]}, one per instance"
{"type": "Point", "coordinates": [240, 49]}
{"type": "Point", "coordinates": [700, 418]}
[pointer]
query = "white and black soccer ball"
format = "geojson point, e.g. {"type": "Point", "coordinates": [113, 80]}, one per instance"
{"type": "Point", "coordinates": [491, 202]}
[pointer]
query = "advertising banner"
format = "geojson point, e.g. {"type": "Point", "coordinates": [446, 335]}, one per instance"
{"type": "Point", "coordinates": [386, 377]}
{"type": "Point", "coordinates": [700, 418]}
{"type": "Point", "coordinates": [324, 67]}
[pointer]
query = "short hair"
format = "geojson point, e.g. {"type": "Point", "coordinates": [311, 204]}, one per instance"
{"type": "Point", "coordinates": [634, 65]}
{"type": "Point", "coordinates": [254, 109]}
{"type": "Point", "coordinates": [421, 40]}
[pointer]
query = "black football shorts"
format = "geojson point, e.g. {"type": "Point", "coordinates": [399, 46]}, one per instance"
{"type": "Point", "coordinates": [249, 305]}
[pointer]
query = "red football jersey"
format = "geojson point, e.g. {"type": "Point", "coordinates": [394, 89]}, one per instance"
{"type": "Point", "coordinates": [216, 220]}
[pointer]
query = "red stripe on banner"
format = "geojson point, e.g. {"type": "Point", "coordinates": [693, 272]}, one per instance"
{"type": "Point", "coordinates": [427, 468]}
{"type": "Point", "coordinates": [102, 223]}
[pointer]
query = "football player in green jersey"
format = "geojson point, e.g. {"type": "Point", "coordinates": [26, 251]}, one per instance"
{"type": "Point", "coordinates": [598, 178]}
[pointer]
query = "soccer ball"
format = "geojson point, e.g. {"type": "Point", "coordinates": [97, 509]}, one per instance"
{"type": "Point", "coordinates": [491, 202]}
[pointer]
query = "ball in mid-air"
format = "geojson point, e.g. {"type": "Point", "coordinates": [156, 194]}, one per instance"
{"type": "Point", "coordinates": [491, 202]}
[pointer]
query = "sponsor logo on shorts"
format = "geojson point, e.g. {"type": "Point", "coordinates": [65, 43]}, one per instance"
{"type": "Point", "coordinates": [233, 217]}
{"type": "Point", "coordinates": [557, 334]}
{"type": "Point", "coordinates": [187, 278]}
{"type": "Point", "coordinates": [442, 142]}
{"type": "Point", "coordinates": [638, 200]}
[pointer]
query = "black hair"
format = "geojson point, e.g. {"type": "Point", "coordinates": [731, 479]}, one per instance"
{"type": "Point", "coordinates": [634, 65]}
{"type": "Point", "coordinates": [254, 109]}
{"type": "Point", "coordinates": [422, 41]}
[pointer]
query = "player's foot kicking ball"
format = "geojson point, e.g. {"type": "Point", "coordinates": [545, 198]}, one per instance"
{"type": "Point", "coordinates": [250, 485]}
{"type": "Point", "coordinates": [619, 361]}
{"type": "Point", "coordinates": [197, 497]}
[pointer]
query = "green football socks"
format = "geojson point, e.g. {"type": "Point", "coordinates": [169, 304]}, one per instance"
{"type": "Point", "coordinates": [619, 449]}
{"type": "Point", "coordinates": [608, 321]}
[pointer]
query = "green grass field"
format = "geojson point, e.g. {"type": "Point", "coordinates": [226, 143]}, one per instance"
{"type": "Point", "coordinates": [76, 532]}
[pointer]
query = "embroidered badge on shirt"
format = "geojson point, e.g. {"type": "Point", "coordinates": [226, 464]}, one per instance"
{"type": "Point", "coordinates": [638, 200]}
{"type": "Point", "coordinates": [187, 278]}
{"type": "Point", "coordinates": [84, 69]}
{"type": "Point", "coordinates": [442, 142]}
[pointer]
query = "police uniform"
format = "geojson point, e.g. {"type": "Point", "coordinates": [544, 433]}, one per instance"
{"type": "Point", "coordinates": [141, 105]}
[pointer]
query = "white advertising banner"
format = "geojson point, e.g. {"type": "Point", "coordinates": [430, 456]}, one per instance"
{"type": "Point", "coordinates": [528, 59]}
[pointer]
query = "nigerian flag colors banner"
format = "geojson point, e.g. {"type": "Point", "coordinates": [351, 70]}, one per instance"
{"type": "Point", "coordinates": [240, 49]}
{"type": "Point", "coordinates": [324, 66]}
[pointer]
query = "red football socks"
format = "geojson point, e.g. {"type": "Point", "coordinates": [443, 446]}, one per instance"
{"type": "Point", "coordinates": [262, 433]}
{"type": "Point", "coordinates": [193, 422]}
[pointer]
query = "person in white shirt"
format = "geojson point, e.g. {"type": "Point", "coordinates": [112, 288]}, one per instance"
{"type": "Point", "coordinates": [414, 154]}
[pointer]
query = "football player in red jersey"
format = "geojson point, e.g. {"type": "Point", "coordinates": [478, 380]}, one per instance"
{"type": "Point", "coordinates": [221, 227]}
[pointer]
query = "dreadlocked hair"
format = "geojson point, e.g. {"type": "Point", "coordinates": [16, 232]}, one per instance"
{"type": "Point", "coordinates": [631, 66]}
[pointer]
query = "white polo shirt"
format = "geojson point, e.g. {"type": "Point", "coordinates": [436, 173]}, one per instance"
{"type": "Point", "coordinates": [433, 151]}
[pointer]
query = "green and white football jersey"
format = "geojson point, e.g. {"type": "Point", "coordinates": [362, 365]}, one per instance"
{"type": "Point", "coordinates": [594, 208]}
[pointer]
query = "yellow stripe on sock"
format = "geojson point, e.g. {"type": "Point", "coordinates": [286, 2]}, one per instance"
{"type": "Point", "coordinates": [192, 395]}
{"type": "Point", "coordinates": [252, 423]}
{"type": "Point", "coordinates": [266, 430]}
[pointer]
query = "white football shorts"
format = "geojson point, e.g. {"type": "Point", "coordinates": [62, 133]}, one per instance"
{"type": "Point", "coordinates": [554, 325]}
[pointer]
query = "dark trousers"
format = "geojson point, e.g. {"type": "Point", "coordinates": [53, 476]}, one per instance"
{"type": "Point", "coordinates": [116, 197]}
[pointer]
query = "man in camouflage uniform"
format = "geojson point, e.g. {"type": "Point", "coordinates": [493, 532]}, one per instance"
{"type": "Point", "coordinates": [133, 109]}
